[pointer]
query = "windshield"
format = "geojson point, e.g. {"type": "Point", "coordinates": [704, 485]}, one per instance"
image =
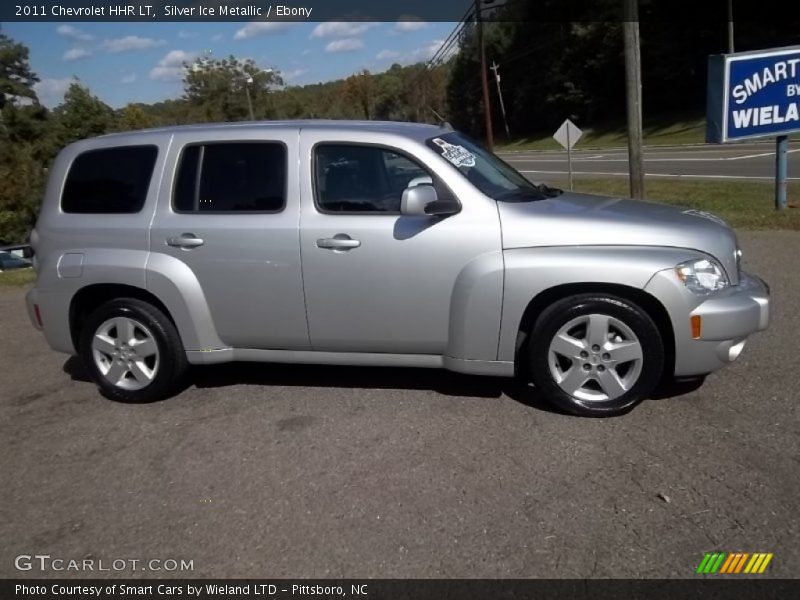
{"type": "Point", "coordinates": [490, 174]}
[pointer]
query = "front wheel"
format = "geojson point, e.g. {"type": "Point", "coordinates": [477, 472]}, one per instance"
{"type": "Point", "coordinates": [132, 351]}
{"type": "Point", "coordinates": [595, 355]}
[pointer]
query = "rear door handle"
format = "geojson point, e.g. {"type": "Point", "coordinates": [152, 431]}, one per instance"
{"type": "Point", "coordinates": [341, 241]}
{"type": "Point", "coordinates": [185, 241]}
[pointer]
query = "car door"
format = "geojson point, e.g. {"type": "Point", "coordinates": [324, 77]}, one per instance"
{"type": "Point", "coordinates": [376, 280]}
{"type": "Point", "coordinates": [231, 216]}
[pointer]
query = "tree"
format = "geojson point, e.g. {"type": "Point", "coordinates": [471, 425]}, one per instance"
{"type": "Point", "coordinates": [424, 96]}
{"type": "Point", "coordinates": [134, 117]}
{"type": "Point", "coordinates": [27, 125]}
{"type": "Point", "coordinates": [81, 115]}
{"type": "Point", "coordinates": [24, 142]}
{"type": "Point", "coordinates": [16, 77]}
{"type": "Point", "coordinates": [217, 90]}
{"type": "Point", "coordinates": [360, 89]}
{"type": "Point", "coordinates": [21, 185]}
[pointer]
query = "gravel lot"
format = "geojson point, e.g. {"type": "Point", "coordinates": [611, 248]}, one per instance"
{"type": "Point", "coordinates": [276, 471]}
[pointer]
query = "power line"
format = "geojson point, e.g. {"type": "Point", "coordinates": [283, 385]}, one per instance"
{"type": "Point", "coordinates": [453, 37]}
{"type": "Point", "coordinates": [440, 55]}
{"type": "Point", "coordinates": [445, 50]}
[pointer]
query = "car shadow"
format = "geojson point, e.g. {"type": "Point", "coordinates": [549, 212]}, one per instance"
{"type": "Point", "coordinates": [74, 368]}
{"type": "Point", "coordinates": [440, 381]}
{"type": "Point", "coordinates": [669, 389]}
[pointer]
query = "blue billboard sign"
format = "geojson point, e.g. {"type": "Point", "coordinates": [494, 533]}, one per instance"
{"type": "Point", "coordinates": [753, 94]}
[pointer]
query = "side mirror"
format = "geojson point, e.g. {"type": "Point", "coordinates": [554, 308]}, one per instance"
{"type": "Point", "coordinates": [421, 180]}
{"type": "Point", "coordinates": [415, 199]}
{"type": "Point", "coordinates": [422, 200]}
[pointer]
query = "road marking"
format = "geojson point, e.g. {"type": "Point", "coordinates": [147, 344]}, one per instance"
{"type": "Point", "coordinates": [759, 155]}
{"type": "Point", "coordinates": [647, 159]}
{"type": "Point", "coordinates": [604, 174]}
{"type": "Point", "coordinates": [576, 159]}
{"type": "Point", "coordinates": [602, 158]}
{"type": "Point", "coordinates": [660, 148]}
{"type": "Point", "coordinates": [625, 151]}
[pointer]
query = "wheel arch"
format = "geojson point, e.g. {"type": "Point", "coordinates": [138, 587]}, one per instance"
{"type": "Point", "coordinates": [649, 303]}
{"type": "Point", "coordinates": [90, 297]}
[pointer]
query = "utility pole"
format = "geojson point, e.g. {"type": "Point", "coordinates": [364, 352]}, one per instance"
{"type": "Point", "coordinates": [494, 68]}
{"type": "Point", "coordinates": [730, 27]}
{"type": "Point", "coordinates": [487, 109]}
{"type": "Point", "coordinates": [247, 83]}
{"type": "Point", "coordinates": [633, 93]}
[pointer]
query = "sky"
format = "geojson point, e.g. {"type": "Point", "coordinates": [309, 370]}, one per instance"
{"type": "Point", "coordinates": [136, 62]}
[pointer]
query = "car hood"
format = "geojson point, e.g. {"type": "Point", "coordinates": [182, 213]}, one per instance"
{"type": "Point", "coordinates": [587, 220]}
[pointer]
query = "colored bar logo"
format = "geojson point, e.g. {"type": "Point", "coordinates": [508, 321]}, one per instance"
{"type": "Point", "coordinates": [721, 563]}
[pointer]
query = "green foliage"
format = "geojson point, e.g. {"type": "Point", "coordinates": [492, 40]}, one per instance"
{"type": "Point", "coordinates": [133, 117]}
{"type": "Point", "coordinates": [21, 182]}
{"type": "Point", "coordinates": [16, 77]}
{"type": "Point", "coordinates": [359, 89]}
{"type": "Point", "coordinates": [402, 93]}
{"type": "Point", "coordinates": [81, 115]}
{"type": "Point", "coordinates": [24, 142]}
{"type": "Point", "coordinates": [27, 125]}
{"type": "Point", "coordinates": [218, 90]}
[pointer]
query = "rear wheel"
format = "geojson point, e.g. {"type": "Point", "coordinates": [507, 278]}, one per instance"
{"type": "Point", "coordinates": [132, 351]}
{"type": "Point", "coordinates": [595, 355]}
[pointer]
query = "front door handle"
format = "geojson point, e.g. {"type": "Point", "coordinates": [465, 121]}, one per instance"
{"type": "Point", "coordinates": [185, 241]}
{"type": "Point", "coordinates": [341, 241]}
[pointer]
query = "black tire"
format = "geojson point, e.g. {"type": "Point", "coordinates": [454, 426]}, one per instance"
{"type": "Point", "coordinates": [563, 312]}
{"type": "Point", "coordinates": [172, 364]}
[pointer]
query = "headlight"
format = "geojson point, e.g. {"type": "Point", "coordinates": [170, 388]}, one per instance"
{"type": "Point", "coordinates": [702, 276]}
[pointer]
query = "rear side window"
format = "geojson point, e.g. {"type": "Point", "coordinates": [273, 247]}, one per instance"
{"type": "Point", "coordinates": [231, 177]}
{"type": "Point", "coordinates": [109, 180]}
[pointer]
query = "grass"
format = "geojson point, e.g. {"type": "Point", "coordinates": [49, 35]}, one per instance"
{"type": "Point", "coordinates": [664, 132]}
{"type": "Point", "coordinates": [677, 131]}
{"type": "Point", "coordinates": [745, 205]}
{"type": "Point", "coordinates": [18, 278]}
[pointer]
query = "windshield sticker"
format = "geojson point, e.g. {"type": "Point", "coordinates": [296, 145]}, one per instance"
{"type": "Point", "coordinates": [458, 155]}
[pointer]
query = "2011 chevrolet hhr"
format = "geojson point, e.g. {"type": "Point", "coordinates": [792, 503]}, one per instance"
{"type": "Point", "coordinates": [365, 243]}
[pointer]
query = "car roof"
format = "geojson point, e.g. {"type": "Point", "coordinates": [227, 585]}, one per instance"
{"type": "Point", "coordinates": [417, 131]}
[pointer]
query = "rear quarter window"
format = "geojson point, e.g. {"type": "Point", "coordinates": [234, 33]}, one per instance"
{"type": "Point", "coordinates": [109, 180]}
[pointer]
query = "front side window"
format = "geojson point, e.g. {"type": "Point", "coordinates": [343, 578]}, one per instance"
{"type": "Point", "coordinates": [231, 177]}
{"type": "Point", "coordinates": [490, 174]}
{"type": "Point", "coordinates": [109, 180]}
{"type": "Point", "coordinates": [363, 179]}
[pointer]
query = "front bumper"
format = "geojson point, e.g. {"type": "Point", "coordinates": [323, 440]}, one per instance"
{"type": "Point", "coordinates": [726, 318]}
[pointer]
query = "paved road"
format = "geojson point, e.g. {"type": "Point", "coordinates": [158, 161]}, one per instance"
{"type": "Point", "coordinates": [739, 162]}
{"type": "Point", "coordinates": [311, 472]}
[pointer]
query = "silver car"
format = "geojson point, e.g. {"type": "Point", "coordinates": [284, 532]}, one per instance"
{"type": "Point", "coordinates": [365, 243]}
